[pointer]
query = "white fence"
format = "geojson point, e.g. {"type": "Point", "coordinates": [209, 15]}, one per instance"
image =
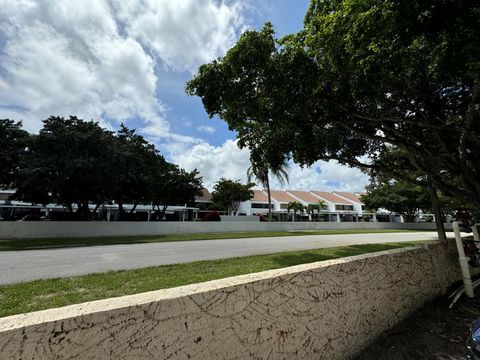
{"type": "Point", "coordinates": [56, 229]}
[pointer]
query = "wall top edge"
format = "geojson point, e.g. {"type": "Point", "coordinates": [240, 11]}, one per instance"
{"type": "Point", "coordinates": [99, 306]}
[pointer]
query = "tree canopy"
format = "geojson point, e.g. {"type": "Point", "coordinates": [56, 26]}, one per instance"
{"type": "Point", "coordinates": [295, 206]}
{"type": "Point", "coordinates": [77, 163]}
{"type": "Point", "coordinates": [14, 142]}
{"type": "Point", "coordinates": [316, 208]}
{"type": "Point", "coordinates": [362, 80]}
{"type": "Point", "coordinates": [229, 194]}
{"type": "Point", "coordinates": [400, 197]}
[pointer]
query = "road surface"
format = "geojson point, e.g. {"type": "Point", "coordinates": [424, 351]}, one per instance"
{"type": "Point", "coordinates": [18, 266]}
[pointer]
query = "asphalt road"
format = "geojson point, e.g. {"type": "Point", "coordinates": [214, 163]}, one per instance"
{"type": "Point", "coordinates": [18, 266]}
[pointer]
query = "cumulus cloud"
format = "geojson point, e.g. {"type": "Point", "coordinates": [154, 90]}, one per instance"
{"type": "Point", "coordinates": [98, 60]}
{"type": "Point", "coordinates": [101, 60]}
{"type": "Point", "coordinates": [206, 129]}
{"type": "Point", "coordinates": [182, 33]}
{"type": "Point", "coordinates": [227, 160]}
{"type": "Point", "coordinates": [214, 162]}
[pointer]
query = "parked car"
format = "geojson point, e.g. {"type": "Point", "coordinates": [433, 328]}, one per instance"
{"type": "Point", "coordinates": [473, 343]}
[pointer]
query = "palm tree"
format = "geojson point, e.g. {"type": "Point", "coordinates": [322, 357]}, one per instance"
{"type": "Point", "coordinates": [319, 206]}
{"type": "Point", "coordinates": [261, 172]}
{"type": "Point", "coordinates": [295, 206]}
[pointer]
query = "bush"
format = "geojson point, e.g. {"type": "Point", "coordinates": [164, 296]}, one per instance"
{"type": "Point", "coordinates": [212, 216]}
{"type": "Point", "coordinates": [266, 218]}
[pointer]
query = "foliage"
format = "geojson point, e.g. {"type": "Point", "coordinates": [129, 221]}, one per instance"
{"type": "Point", "coordinates": [137, 163]}
{"type": "Point", "coordinates": [400, 197]}
{"type": "Point", "coordinates": [13, 144]}
{"type": "Point", "coordinates": [229, 194]}
{"type": "Point", "coordinates": [361, 79]}
{"type": "Point", "coordinates": [316, 208]}
{"type": "Point", "coordinates": [261, 170]}
{"type": "Point", "coordinates": [212, 216]}
{"type": "Point", "coordinates": [295, 206]}
{"type": "Point", "coordinates": [173, 186]}
{"type": "Point", "coordinates": [69, 162]}
{"type": "Point", "coordinates": [77, 163]}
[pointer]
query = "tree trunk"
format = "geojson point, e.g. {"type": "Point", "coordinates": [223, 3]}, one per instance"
{"type": "Point", "coordinates": [135, 203]}
{"type": "Point", "coordinates": [438, 214]}
{"type": "Point", "coordinates": [84, 211]}
{"type": "Point", "coordinates": [267, 183]}
{"type": "Point", "coordinates": [162, 212]}
{"type": "Point", "coordinates": [96, 208]}
{"type": "Point", "coordinates": [120, 211]}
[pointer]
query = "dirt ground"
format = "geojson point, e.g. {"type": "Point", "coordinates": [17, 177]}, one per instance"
{"type": "Point", "coordinates": [433, 332]}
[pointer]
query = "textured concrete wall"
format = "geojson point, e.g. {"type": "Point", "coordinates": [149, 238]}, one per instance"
{"type": "Point", "coordinates": [326, 310]}
{"type": "Point", "coordinates": [25, 229]}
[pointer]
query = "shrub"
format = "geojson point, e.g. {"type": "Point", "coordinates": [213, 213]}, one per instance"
{"type": "Point", "coordinates": [212, 216]}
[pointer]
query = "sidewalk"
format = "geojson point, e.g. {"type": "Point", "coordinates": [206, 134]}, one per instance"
{"type": "Point", "coordinates": [433, 332]}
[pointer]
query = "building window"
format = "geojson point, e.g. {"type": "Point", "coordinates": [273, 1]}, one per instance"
{"type": "Point", "coordinates": [260, 206]}
{"type": "Point", "coordinates": [284, 206]}
{"type": "Point", "coordinates": [344, 207]}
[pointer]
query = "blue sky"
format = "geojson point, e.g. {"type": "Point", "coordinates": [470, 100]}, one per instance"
{"type": "Point", "coordinates": [127, 61]}
{"type": "Point", "coordinates": [185, 113]}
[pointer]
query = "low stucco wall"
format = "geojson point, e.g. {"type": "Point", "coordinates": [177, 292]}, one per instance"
{"type": "Point", "coordinates": [325, 310]}
{"type": "Point", "coordinates": [51, 229]}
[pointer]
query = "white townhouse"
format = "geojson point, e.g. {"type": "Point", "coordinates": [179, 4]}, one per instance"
{"type": "Point", "coordinates": [258, 205]}
{"type": "Point", "coordinates": [339, 208]}
{"type": "Point", "coordinates": [358, 205]}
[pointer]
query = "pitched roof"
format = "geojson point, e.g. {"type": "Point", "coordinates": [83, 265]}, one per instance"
{"type": "Point", "coordinates": [304, 196]}
{"type": "Point", "coordinates": [281, 196]}
{"type": "Point", "coordinates": [331, 197]}
{"type": "Point", "coordinates": [349, 196]}
{"type": "Point", "coordinates": [259, 196]}
{"type": "Point", "coordinates": [206, 196]}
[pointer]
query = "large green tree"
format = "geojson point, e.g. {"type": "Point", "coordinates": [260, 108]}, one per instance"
{"type": "Point", "coordinates": [137, 164]}
{"type": "Point", "coordinates": [172, 185]}
{"type": "Point", "coordinates": [14, 142]}
{"type": "Point", "coordinates": [400, 197]}
{"type": "Point", "coordinates": [361, 78]}
{"type": "Point", "coordinates": [69, 163]}
{"type": "Point", "coordinates": [78, 164]}
{"type": "Point", "coordinates": [229, 194]}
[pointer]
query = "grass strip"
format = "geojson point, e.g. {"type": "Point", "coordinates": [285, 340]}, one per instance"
{"type": "Point", "coordinates": [50, 243]}
{"type": "Point", "coordinates": [45, 294]}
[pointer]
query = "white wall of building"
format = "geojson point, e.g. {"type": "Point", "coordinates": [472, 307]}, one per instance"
{"type": "Point", "coordinates": [330, 205]}
{"type": "Point", "coordinates": [357, 207]}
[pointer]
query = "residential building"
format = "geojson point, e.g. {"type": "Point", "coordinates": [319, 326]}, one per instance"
{"type": "Point", "coordinates": [258, 205]}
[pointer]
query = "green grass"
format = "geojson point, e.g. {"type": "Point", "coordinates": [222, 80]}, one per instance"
{"type": "Point", "coordinates": [44, 294]}
{"type": "Point", "coordinates": [48, 243]}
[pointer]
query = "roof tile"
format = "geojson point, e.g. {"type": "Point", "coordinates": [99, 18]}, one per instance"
{"type": "Point", "coordinates": [331, 197]}
{"type": "Point", "coordinates": [349, 196]}
{"type": "Point", "coordinates": [304, 196]}
{"type": "Point", "coordinates": [282, 196]}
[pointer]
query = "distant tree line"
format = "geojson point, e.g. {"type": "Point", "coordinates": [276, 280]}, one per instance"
{"type": "Point", "coordinates": [77, 164]}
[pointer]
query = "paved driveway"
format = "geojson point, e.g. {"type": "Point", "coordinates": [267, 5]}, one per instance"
{"type": "Point", "coordinates": [17, 266]}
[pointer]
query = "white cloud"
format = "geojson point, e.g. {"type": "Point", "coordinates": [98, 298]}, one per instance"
{"type": "Point", "coordinates": [97, 59]}
{"type": "Point", "coordinates": [182, 33]}
{"type": "Point", "coordinates": [326, 176]}
{"type": "Point", "coordinates": [231, 162]}
{"type": "Point", "coordinates": [214, 162]}
{"type": "Point", "coordinates": [100, 60]}
{"type": "Point", "coordinates": [206, 129]}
